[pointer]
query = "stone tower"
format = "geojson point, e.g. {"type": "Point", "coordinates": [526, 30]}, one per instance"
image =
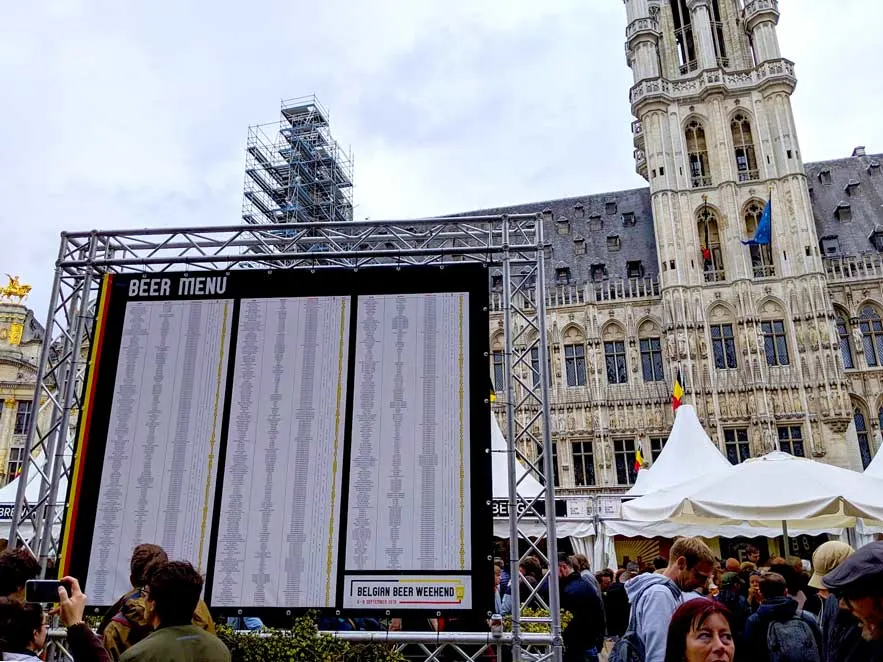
{"type": "Point", "coordinates": [751, 328]}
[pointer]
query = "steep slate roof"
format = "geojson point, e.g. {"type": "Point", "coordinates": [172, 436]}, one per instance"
{"type": "Point", "coordinates": [856, 182]}
{"type": "Point", "coordinates": [592, 219]}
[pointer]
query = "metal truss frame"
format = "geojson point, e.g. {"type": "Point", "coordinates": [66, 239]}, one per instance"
{"type": "Point", "coordinates": [512, 242]}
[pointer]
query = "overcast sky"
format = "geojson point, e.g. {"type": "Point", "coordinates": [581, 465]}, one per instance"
{"type": "Point", "coordinates": [134, 114]}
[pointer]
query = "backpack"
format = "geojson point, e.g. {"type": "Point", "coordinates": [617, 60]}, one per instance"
{"type": "Point", "coordinates": [630, 648]}
{"type": "Point", "coordinates": [793, 640]}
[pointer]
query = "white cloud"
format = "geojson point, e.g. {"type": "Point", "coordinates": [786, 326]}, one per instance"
{"type": "Point", "coordinates": [135, 114]}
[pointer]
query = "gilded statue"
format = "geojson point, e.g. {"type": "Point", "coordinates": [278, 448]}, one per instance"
{"type": "Point", "coordinates": [14, 290]}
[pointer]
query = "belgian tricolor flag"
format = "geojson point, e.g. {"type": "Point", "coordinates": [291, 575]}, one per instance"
{"type": "Point", "coordinates": [677, 393]}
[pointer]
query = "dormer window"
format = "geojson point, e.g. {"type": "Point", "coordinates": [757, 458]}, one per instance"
{"type": "Point", "coordinates": [562, 275]}
{"type": "Point", "coordinates": [579, 211]}
{"type": "Point", "coordinates": [634, 269]}
{"type": "Point", "coordinates": [825, 176]}
{"type": "Point", "coordinates": [599, 272]}
{"type": "Point", "coordinates": [613, 242]}
{"type": "Point", "coordinates": [610, 207]}
{"type": "Point", "coordinates": [843, 212]}
{"type": "Point", "coordinates": [628, 219]}
{"type": "Point", "coordinates": [873, 167]}
{"type": "Point", "coordinates": [497, 282]}
{"type": "Point", "coordinates": [876, 238]}
{"type": "Point", "coordinates": [529, 280]}
{"type": "Point", "coordinates": [830, 245]}
{"type": "Point", "coordinates": [579, 246]}
{"type": "Point", "coordinates": [596, 224]}
{"type": "Point", "coordinates": [851, 186]}
{"type": "Point", "coordinates": [563, 225]}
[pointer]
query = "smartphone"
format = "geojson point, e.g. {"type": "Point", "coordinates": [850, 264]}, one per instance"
{"type": "Point", "coordinates": [43, 590]}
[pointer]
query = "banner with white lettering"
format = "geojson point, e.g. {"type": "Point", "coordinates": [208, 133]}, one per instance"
{"type": "Point", "coordinates": [410, 592]}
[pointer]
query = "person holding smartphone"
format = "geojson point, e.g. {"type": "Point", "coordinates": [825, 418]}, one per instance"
{"type": "Point", "coordinates": [24, 625]}
{"type": "Point", "coordinates": [83, 644]}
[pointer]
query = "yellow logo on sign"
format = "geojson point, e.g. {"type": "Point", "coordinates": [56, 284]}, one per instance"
{"type": "Point", "coordinates": [460, 590]}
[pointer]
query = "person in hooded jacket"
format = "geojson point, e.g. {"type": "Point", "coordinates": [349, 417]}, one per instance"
{"type": "Point", "coordinates": [654, 597]}
{"type": "Point", "coordinates": [779, 609]}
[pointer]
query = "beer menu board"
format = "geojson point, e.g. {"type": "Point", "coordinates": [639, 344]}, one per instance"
{"type": "Point", "coordinates": [311, 445]}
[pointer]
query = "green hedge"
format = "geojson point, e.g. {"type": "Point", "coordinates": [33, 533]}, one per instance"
{"type": "Point", "coordinates": [566, 617]}
{"type": "Point", "coordinates": [302, 643]}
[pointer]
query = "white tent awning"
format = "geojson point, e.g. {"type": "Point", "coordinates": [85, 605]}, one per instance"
{"type": "Point", "coordinates": [775, 487]}
{"type": "Point", "coordinates": [688, 454]}
{"type": "Point", "coordinates": [528, 486]}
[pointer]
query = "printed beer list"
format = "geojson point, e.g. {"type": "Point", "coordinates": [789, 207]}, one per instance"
{"type": "Point", "coordinates": [409, 469]}
{"type": "Point", "coordinates": [158, 481]}
{"type": "Point", "coordinates": [280, 505]}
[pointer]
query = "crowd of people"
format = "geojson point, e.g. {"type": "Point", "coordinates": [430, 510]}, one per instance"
{"type": "Point", "coordinates": [161, 618]}
{"type": "Point", "coordinates": [693, 607]}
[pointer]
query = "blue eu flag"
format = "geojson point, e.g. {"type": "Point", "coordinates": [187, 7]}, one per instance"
{"type": "Point", "coordinates": [764, 230]}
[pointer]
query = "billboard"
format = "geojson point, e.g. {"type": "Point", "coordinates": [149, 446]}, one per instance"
{"type": "Point", "coordinates": [308, 440]}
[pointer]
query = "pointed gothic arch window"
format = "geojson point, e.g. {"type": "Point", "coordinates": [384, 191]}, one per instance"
{"type": "Point", "coordinates": [574, 356]}
{"type": "Point", "coordinates": [697, 155]}
{"type": "Point", "coordinates": [761, 256]}
{"type": "Point", "coordinates": [684, 41]}
{"type": "Point", "coordinates": [743, 145]}
{"type": "Point", "coordinates": [845, 345]}
{"type": "Point", "coordinates": [861, 433]}
{"type": "Point", "coordinates": [709, 239]}
{"type": "Point", "coordinates": [872, 335]}
{"type": "Point", "coordinates": [615, 354]}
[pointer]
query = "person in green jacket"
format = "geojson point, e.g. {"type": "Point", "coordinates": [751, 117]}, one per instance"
{"type": "Point", "coordinates": [170, 598]}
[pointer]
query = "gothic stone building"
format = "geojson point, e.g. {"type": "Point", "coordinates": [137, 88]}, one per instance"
{"type": "Point", "coordinates": [778, 346]}
{"type": "Point", "coordinates": [21, 340]}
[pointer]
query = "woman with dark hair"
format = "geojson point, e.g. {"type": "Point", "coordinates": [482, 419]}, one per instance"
{"type": "Point", "coordinates": [700, 632]}
{"type": "Point", "coordinates": [23, 630]}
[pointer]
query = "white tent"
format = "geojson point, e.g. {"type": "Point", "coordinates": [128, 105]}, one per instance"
{"type": "Point", "coordinates": [32, 492]}
{"type": "Point", "coordinates": [528, 486]}
{"type": "Point", "coordinates": [875, 468]}
{"type": "Point", "coordinates": [772, 489]}
{"type": "Point", "coordinates": [687, 455]}
{"type": "Point", "coordinates": [9, 492]}
{"type": "Point", "coordinates": [866, 530]}
{"type": "Point", "coordinates": [690, 457]}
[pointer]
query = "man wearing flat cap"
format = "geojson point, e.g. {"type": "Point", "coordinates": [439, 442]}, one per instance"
{"type": "Point", "coordinates": [858, 584]}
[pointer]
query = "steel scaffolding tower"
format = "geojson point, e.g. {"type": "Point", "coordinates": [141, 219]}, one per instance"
{"type": "Point", "coordinates": [513, 243]}
{"type": "Point", "coordinates": [295, 171]}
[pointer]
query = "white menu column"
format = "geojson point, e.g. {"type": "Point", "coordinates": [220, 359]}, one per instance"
{"type": "Point", "coordinates": [409, 470]}
{"type": "Point", "coordinates": [158, 480]}
{"type": "Point", "coordinates": [279, 523]}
